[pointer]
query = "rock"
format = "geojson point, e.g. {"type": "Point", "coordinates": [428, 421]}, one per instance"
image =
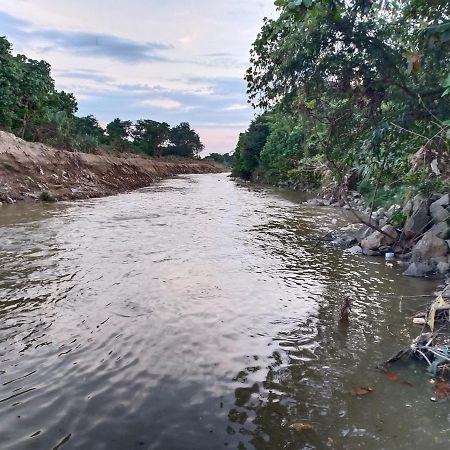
{"type": "Point", "coordinates": [407, 209]}
{"type": "Point", "coordinates": [377, 239]}
{"type": "Point", "coordinates": [356, 250]}
{"type": "Point", "coordinates": [437, 260]}
{"type": "Point", "coordinates": [392, 210]}
{"type": "Point", "coordinates": [419, 220]}
{"type": "Point", "coordinates": [430, 246]}
{"type": "Point", "coordinates": [446, 292]}
{"type": "Point", "coordinates": [368, 252]}
{"type": "Point", "coordinates": [10, 200]}
{"type": "Point", "coordinates": [443, 201]}
{"type": "Point", "coordinates": [417, 269]}
{"type": "Point", "coordinates": [344, 241]}
{"type": "Point", "coordinates": [386, 249]}
{"type": "Point", "coordinates": [441, 230]}
{"type": "Point", "coordinates": [439, 213]}
{"type": "Point", "coordinates": [434, 197]}
{"type": "Point", "coordinates": [381, 212]}
{"type": "Point", "coordinates": [443, 268]}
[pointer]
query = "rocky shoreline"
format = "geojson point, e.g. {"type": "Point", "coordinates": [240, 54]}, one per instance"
{"type": "Point", "coordinates": [33, 171]}
{"type": "Point", "coordinates": [415, 235]}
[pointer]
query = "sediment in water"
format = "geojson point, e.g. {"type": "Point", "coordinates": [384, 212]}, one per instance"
{"type": "Point", "coordinates": [29, 169]}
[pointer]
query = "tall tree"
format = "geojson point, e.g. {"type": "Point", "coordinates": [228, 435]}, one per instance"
{"type": "Point", "coordinates": [149, 136]}
{"type": "Point", "coordinates": [184, 141]}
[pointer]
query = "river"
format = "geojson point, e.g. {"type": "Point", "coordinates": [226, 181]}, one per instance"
{"type": "Point", "coordinates": [201, 314]}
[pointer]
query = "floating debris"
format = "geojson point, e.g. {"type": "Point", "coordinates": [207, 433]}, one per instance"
{"type": "Point", "coordinates": [361, 391]}
{"type": "Point", "coordinates": [433, 344]}
{"type": "Point", "coordinates": [301, 426]}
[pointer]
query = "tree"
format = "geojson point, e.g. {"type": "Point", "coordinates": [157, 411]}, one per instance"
{"type": "Point", "coordinates": [119, 133]}
{"type": "Point", "coordinates": [10, 75]}
{"type": "Point", "coordinates": [363, 82]}
{"type": "Point", "coordinates": [184, 141]}
{"type": "Point", "coordinates": [149, 136]}
{"type": "Point", "coordinates": [249, 147]}
{"type": "Point", "coordinates": [36, 87]}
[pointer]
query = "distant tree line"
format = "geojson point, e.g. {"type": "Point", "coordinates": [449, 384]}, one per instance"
{"type": "Point", "coordinates": [33, 109]}
{"type": "Point", "coordinates": [224, 159]}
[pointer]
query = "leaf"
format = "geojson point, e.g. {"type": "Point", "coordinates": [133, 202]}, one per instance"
{"type": "Point", "coordinates": [443, 387]}
{"type": "Point", "coordinates": [311, 104]}
{"type": "Point", "coordinates": [361, 391]}
{"type": "Point", "coordinates": [392, 376]}
{"type": "Point", "coordinates": [301, 426]}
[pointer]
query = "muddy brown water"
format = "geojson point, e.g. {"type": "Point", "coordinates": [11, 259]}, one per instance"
{"type": "Point", "coordinates": [199, 314]}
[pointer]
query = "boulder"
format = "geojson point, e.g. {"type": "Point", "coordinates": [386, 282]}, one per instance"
{"type": "Point", "coordinates": [446, 291]}
{"type": "Point", "coordinates": [417, 269]}
{"type": "Point", "coordinates": [443, 201]}
{"type": "Point", "coordinates": [443, 268]}
{"type": "Point", "coordinates": [407, 208]}
{"type": "Point", "coordinates": [430, 246]}
{"type": "Point", "coordinates": [377, 239]}
{"type": "Point", "coordinates": [368, 252]}
{"type": "Point", "coordinates": [439, 213]}
{"type": "Point", "coordinates": [441, 230]}
{"type": "Point", "coordinates": [356, 250]}
{"type": "Point", "coordinates": [419, 220]}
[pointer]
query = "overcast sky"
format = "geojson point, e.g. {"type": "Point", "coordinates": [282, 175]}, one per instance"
{"type": "Point", "coordinates": [166, 60]}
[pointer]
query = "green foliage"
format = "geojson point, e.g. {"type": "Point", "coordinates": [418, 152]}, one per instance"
{"type": "Point", "coordinates": [47, 197]}
{"type": "Point", "coordinates": [362, 83]}
{"type": "Point", "coordinates": [398, 219]}
{"type": "Point", "coordinates": [184, 142]}
{"type": "Point", "coordinates": [225, 159]}
{"type": "Point", "coordinates": [32, 108]}
{"type": "Point", "coordinates": [148, 136]}
{"type": "Point", "coordinates": [248, 151]}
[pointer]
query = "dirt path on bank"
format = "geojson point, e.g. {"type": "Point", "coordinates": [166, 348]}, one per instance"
{"type": "Point", "coordinates": [28, 169]}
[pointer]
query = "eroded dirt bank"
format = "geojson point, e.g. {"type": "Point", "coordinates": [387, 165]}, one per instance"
{"type": "Point", "coordinates": [28, 169]}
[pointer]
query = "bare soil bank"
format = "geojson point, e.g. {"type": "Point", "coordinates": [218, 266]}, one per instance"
{"type": "Point", "coordinates": [28, 169]}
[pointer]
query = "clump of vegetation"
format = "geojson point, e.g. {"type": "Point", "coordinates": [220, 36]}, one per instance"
{"type": "Point", "coordinates": [47, 197]}
{"type": "Point", "coordinates": [365, 85]}
{"type": "Point", "coordinates": [32, 108]}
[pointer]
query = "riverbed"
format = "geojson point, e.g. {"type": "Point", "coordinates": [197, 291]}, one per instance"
{"type": "Point", "coordinates": [199, 314]}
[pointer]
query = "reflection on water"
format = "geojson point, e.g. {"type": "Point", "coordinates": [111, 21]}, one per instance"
{"type": "Point", "coordinates": [199, 314]}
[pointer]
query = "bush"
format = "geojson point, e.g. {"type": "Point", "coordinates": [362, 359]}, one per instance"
{"type": "Point", "coordinates": [47, 197]}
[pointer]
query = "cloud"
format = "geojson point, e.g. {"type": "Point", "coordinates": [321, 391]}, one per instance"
{"type": "Point", "coordinates": [85, 44]}
{"type": "Point", "coordinates": [237, 107]}
{"type": "Point", "coordinates": [164, 103]}
{"type": "Point", "coordinates": [92, 75]}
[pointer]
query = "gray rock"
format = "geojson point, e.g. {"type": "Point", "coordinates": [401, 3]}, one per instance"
{"type": "Point", "coordinates": [377, 239]}
{"type": "Point", "coordinates": [368, 252]}
{"type": "Point", "coordinates": [407, 209]}
{"type": "Point", "coordinates": [441, 230]}
{"type": "Point", "coordinates": [356, 250]}
{"type": "Point", "coordinates": [443, 268]}
{"type": "Point", "coordinates": [418, 221]}
{"type": "Point", "coordinates": [446, 292]}
{"type": "Point", "coordinates": [392, 210]}
{"type": "Point", "coordinates": [417, 269]}
{"type": "Point", "coordinates": [430, 246]}
{"type": "Point", "coordinates": [344, 241]}
{"type": "Point", "coordinates": [439, 213]}
{"type": "Point", "coordinates": [437, 260]}
{"type": "Point", "coordinates": [443, 201]}
{"type": "Point", "coordinates": [10, 200]}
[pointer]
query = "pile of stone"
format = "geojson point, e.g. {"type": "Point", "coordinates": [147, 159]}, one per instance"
{"type": "Point", "coordinates": [422, 245]}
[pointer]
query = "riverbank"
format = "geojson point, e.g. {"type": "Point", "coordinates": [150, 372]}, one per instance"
{"type": "Point", "coordinates": [27, 170]}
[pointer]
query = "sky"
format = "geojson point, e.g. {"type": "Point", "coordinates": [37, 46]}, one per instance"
{"type": "Point", "coordinates": [165, 60]}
